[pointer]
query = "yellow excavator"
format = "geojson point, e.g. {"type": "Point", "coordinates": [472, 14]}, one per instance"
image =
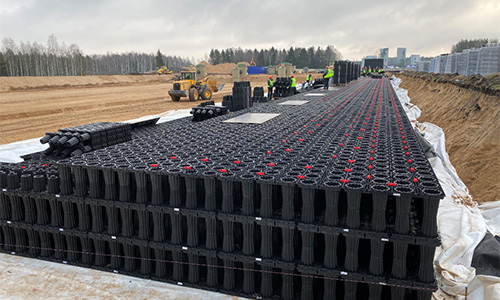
{"type": "Point", "coordinates": [163, 70]}
{"type": "Point", "coordinates": [195, 85]}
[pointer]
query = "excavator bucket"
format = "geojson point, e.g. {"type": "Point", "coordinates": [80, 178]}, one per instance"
{"type": "Point", "coordinates": [220, 86]}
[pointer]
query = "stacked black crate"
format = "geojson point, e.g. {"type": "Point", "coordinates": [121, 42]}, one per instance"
{"type": "Point", "coordinates": [80, 139]}
{"type": "Point", "coordinates": [241, 97]}
{"type": "Point", "coordinates": [357, 71]}
{"type": "Point", "coordinates": [227, 101]}
{"type": "Point", "coordinates": [207, 110]}
{"type": "Point", "coordinates": [258, 94]}
{"type": "Point", "coordinates": [349, 71]}
{"type": "Point", "coordinates": [343, 72]}
{"type": "Point", "coordinates": [336, 73]}
{"type": "Point", "coordinates": [321, 202]}
{"type": "Point", "coordinates": [282, 87]}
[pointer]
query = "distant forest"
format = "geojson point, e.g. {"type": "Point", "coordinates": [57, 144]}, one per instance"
{"type": "Point", "coordinates": [300, 57]}
{"type": "Point", "coordinates": [468, 44]}
{"type": "Point", "coordinates": [57, 59]}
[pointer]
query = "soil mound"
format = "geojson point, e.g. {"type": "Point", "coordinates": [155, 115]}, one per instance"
{"type": "Point", "coordinates": [224, 68]}
{"type": "Point", "coordinates": [489, 84]}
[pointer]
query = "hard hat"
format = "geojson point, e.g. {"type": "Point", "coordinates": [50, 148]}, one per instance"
{"type": "Point", "coordinates": [326, 67]}
{"type": "Point", "coordinates": [291, 75]}
{"type": "Point", "coordinates": [271, 77]}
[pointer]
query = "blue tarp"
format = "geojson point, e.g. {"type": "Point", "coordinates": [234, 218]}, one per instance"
{"type": "Point", "coordinates": [256, 70]}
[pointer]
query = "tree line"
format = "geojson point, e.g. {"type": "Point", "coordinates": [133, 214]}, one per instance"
{"type": "Point", "coordinates": [465, 44]}
{"type": "Point", "coordinates": [301, 57]}
{"type": "Point", "coordinates": [58, 59]}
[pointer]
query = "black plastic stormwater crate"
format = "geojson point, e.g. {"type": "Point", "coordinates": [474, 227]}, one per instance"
{"type": "Point", "coordinates": [258, 95]}
{"type": "Point", "coordinates": [282, 87]}
{"type": "Point", "coordinates": [241, 97]}
{"type": "Point", "coordinates": [80, 139]}
{"type": "Point", "coordinates": [332, 197]}
{"type": "Point", "coordinates": [207, 110]}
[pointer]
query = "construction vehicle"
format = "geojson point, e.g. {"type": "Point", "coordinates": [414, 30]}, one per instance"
{"type": "Point", "coordinates": [194, 85]}
{"type": "Point", "coordinates": [163, 70]}
{"type": "Point", "coordinates": [252, 63]}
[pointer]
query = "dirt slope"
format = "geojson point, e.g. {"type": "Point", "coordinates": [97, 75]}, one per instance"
{"type": "Point", "coordinates": [471, 122]}
{"type": "Point", "coordinates": [489, 84]}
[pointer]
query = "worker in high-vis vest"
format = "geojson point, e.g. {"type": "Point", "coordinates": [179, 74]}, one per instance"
{"type": "Point", "coordinates": [293, 85]}
{"type": "Point", "coordinates": [369, 70]}
{"type": "Point", "coordinates": [326, 77]}
{"type": "Point", "coordinates": [364, 71]}
{"type": "Point", "coordinates": [309, 78]}
{"type": "Point", "coordinates": [270, 85]}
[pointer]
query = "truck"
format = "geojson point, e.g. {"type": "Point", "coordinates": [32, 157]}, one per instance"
{"type": "Point", "coordinates": [163, 70]}
{"type": "Point", "coordinates": [195, 85]}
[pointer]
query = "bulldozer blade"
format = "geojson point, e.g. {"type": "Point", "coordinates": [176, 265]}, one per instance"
{"type": "Point", "coordinates": [220, 86]}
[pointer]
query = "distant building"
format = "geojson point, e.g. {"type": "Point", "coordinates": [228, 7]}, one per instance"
{"type": "Point", "coordinates": [401, 57]}
{"type": "Point", "coordinates": [414, 59]}
{"type": "Point", "coordinates": [370, 56]}
{"type": "Point", "coordinates": [392, 61]}
{"type": "Point", "coordinates": [384, 54]}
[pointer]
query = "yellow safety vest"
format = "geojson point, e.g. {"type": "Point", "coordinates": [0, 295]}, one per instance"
{"type": "Point", "coordinates": [270, 83]}
{"type": "Point", "coordinates": [294, 82]}
{"type": "Point", "coordinates": [329, 73]}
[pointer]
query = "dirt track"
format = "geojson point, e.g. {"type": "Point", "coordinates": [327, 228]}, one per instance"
{"type": "Point", "coordinates": [32, 106]}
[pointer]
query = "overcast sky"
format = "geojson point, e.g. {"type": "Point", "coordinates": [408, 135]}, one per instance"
{"type": "Point", "coordinates": [190, 28]}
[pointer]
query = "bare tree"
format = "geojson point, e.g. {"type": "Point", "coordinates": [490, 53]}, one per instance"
{"type": "Point", "coordinates": [57, 59]}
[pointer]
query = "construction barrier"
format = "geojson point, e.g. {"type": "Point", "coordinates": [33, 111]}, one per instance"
{"type": "Point", "coordinates": [484, 61]}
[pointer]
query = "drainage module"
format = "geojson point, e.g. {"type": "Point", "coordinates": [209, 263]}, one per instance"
{"type": "Point", "coordinates": [330, 199]}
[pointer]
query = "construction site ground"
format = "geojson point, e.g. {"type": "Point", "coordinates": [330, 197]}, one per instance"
{"type": "Point", "coordinates": [32, 106]}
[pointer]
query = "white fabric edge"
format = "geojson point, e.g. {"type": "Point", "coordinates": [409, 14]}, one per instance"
{"type": "Point", "coordinates": [462, 224]}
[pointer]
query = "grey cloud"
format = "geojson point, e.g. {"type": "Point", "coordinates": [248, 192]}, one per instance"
{"type": "Point", "coordinates": [191, 28]}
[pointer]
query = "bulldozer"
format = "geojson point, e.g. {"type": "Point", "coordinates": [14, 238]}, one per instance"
{"type": "Point", "coordinates": [163, 70]}
{"type": "Point", "coordinates": [195, 85]}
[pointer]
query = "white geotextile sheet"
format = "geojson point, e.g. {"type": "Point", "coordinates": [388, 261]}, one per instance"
{"type": "Point", "coordinates": [462, 223]}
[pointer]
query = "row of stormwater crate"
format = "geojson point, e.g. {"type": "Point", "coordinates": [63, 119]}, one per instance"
{"type": "Point", "coordinates": [484, 61]}
{"type": "Point", "coordinates": [263, 237]}
{"type": "Point", "coordinates": [335, 189]}
{"type": "Point", "coordinates": [345, 72]}
{"type": "Point", "coordinates": [216, 270]}
{"type": "Point", "coordinates": [330, 206]}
